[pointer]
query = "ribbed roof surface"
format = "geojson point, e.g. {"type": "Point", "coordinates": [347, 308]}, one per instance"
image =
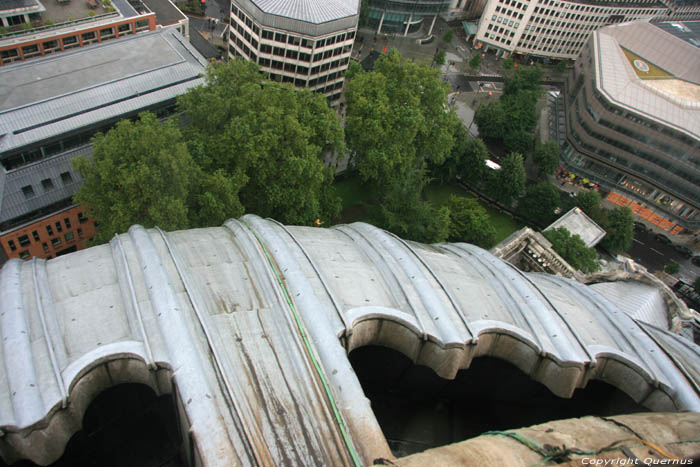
{"type": "Point", "coordinates": [217, 307]}
{"type": "Point", "coordinates": [311, 11]}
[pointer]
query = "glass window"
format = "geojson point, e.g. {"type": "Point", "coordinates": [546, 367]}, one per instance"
{"type": "Point", "coordinates": [28, 191]}
{"type": "Point", "coordinates": [59, 227]}
{"type": "Point", "coordinates": [35, 234]}
{"type": "Point", "coordinates": [49, 230]}
{"type": "Point", "coordinates": [23, 240]}
{"type": "Point", "coordinates": [56, 242]}
{"type": "Point", "coordinates": [66, 178]}
{"type": "Point", "coordinates": [47, 184]}
{"type": "Point", "coordinates": [24, 254]}
{"type": "Point", "coordinates": [67, 222]}
{"type": "Point", "coordinates": [88, 36]}
{"type": "Point", "coordinates": [279, 37]}
{"type": "Point", "coordinates": [69, 236]}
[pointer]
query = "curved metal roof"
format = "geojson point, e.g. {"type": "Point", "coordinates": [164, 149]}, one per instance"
{"type": "Point", "coordinates": [220, 309]}
{"type": "Point", "coordinates": [311, 11]}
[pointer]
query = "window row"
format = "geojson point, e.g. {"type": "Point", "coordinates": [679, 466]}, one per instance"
{"type": "Point", "coordinates": [25, 240]}
{"type": "Point", "coordinates": [47, 185]}
{"type": "Point", "coordinates": [302, 70]}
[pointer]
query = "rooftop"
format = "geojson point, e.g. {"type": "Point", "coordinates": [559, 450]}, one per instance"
{"type": "Point", "coordinates": [52, 95]}
{"type": "Point", "coordinates": [310, 11]}
{"type": "Point", "coordinates": [248, 316]}
{"type": "Point", "coordinates": [578, 223]}
{"type": "Point", "coordinates": [672, 98]}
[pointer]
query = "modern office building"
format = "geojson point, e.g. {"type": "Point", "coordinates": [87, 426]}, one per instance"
{"type": "Point", "coordinates": [307, 42]}
{"type": "Point", "coordinates": [407, 17]}
{"type": "Point", "coordinates": [51, 107]}
{"type": "Point", "coordinates": [560, 28]}
{"type": "Point", "coordinates": [633, 119]}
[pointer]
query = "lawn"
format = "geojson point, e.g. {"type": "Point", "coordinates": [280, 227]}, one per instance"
{"type": "Point", "coordinates": [505, 225]}
{"type": "Point", "coordinates": [356, 200]}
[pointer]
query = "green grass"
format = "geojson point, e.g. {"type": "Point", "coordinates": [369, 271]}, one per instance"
{"type": "Point", "coordinates": [357, 198]}
{"type": "Point", "coordinates": [505, 225]}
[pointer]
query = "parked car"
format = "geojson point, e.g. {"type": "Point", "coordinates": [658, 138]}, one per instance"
{"type": "Point", "coordinates": [695, 260]}
{"type": "Point", "coordinates": [640, 227]}
{"type": "Point", "coordinates": [661, 238]}
{"type": "Point", "coordinates": [683, 250]}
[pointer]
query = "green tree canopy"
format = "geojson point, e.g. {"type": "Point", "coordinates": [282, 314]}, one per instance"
{"type": "Point", "coordinates": [672, 268]}
{"type": "Point", "coordinates": [573, 250]}
{"type": "Point", "coordinates": [397, 119]}
{"type": "Point", "coordinates": [449, 35]}
{"type": "Point", "coordinates": [475, 61]}
{"type": "Point", "coordinates": [491, 119]}
{"type": "Point", "coordinates": [142, 173]}
{"type": "Point", "coordinates": [467, 160]}
{"type": "Point", "coordinates": [440, 58]}
{"type": "Point", "coordinates": [526, 78]}
{"type": "Point", "coordinates": [620, 230]}
{"type": "Point", "coordinates": [589, 202]}
{"type": "Point", "coordinates": [508, 63]}
{"type": "Point", "coordinates": [546, 156]}
{"type": "Point", "coordinates": [268, 134]}
{"type": "Point", "coordinates": [508, 183]}
{"type": "Point", "coordinates": [539, 203]}
{"type": "Point", "coordinates": [470, 223]}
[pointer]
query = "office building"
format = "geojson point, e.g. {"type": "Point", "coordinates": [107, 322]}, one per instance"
{"type": "Point", "coordinates": [307, 43]}
{"type": "Point", "coordinates": [633, 119]}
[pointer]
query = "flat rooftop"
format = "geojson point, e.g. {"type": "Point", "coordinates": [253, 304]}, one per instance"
{"type": "Point", "coordinates": [310, 11]}
{"type": "Point", "coordinates": [49, 96]}
{"type": "Point", "coordinates": [578, 223]}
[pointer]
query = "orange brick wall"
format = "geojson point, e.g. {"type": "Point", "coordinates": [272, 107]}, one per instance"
{"type": "Point", "coordinates": [50, 239]}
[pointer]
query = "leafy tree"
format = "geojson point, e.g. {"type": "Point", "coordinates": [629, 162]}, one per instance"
{"type": "Point", "coordinates": [546, 156]}
{"type": "Point", "coordinates": [470, 223]}
{"type": "Point", "coordinates": [269, 135]}
{"type": "Point", "coordinates": [440, 58]}
{"type": "Point", "coordinates": [491, 118]}
{"type": "Point", "coordinates": [467, 160]}
{"type": "Point", "coordinates": [396, 121]}
{"type": "Point", "coordinates": [523, 79]}
{"type": "Point", "coordinates": [143, 173]}
{"type": "Point", "coordinates": [475, 62]}
{"type": "Point", "coordinates": [539, 203]}
{"type": "Point", "coordinates": [520, 141]}
{"type": "Point", "coordinates": [508, 182]}
{"type": "Point", "coordinates": [508, 63]}
{"type": "Point", "coordinates": [573, 249]}
{"type": "Point", "coordinates": [672, 268]}
{"type": "Point", "coordinates": [449, 35]}
{"type": "Point", "coordinates": [561, 66]}
{"type": "Point", "coordinates": [620, 230]}
{"type": "Point", "coordinates": [407, 215]}
{"type": "Point", "coordinates": [364, 14]}
{"type": "Point", "coordinates": [588, 202]}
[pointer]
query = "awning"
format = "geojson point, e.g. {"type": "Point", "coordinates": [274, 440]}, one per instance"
{"type": "Point", "coordinates": [469, 28]}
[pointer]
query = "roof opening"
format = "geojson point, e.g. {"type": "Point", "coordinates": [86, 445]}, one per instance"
{"type": "Point", "coordinates": [127, 424]}
{"type": "Point", "coordinates": [418, 410]}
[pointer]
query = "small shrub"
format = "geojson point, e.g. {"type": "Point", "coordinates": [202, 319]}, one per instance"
{"type": "Point", "coordinates": [672, 268]}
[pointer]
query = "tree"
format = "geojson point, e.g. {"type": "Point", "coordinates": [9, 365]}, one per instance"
{"type": "Point", "coordinates": [539, 203]}
{"type": "Point", "coordinates": [509, 181]}
{"type": "Point", "coordinates": [561, 66]}
{"type": "Point", "coordinates": [490, 118]}
{"type": "Point", "coordinates": [520, 141]}
{"type": "Point", "coordinates": [588, 202]}
{"type": "Point", "coordinates": [440, 58]}
{"type": "Point", "coordinates": [523, 79]}
{"type": "Point", "coordinates": [672, 268]}
{"type": "Point", "coordinates": [470, 223]}
{"type": "Point", "coordinates": [143, 173]}
{"type": "Point", "coordinates": [467, 160]}
{"type": "Point", "coordinates": [620, 230]}
{"type": "Point", "coordinates": [508, 63]}
{"type": "Point", "coordinates": [475, 62]}
{"type": "Point", "coordinates": [449, 35]}
{"type": "Point", "coordinates": [546, 156]}
{"type": "Point", "coordinates": [268, 134]}
{"type": "Point", "coordinates": [573, 249]}
{"type": "Point", "coordinates": [397, 121]}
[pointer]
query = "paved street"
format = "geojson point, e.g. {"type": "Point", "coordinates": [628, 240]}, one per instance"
{"type": "Point", "coordinates": [654, 255]}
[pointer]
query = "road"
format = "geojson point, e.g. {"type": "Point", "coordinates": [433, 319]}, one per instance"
{"type": "Point", "coordinates": [654, 255]}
